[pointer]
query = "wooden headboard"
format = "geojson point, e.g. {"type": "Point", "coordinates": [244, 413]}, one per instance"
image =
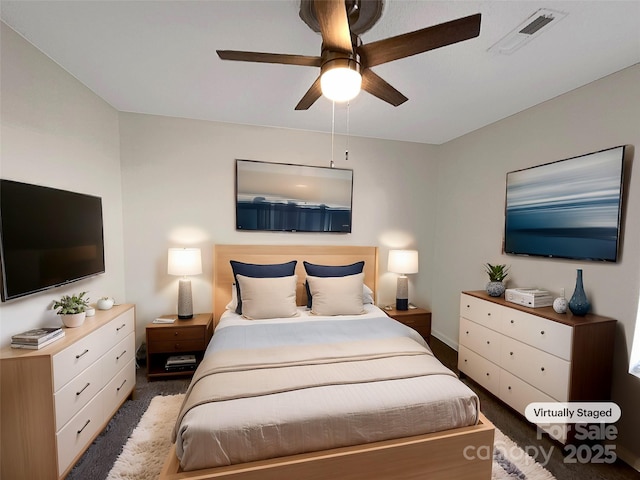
{"type": "Point", "coordinates": [318, 254]}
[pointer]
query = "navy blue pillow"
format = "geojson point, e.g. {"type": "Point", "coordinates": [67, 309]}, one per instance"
{"type": "Point", "coordinates": [274, 270]}
{"type": "Point", "coordinates": [330, 271]}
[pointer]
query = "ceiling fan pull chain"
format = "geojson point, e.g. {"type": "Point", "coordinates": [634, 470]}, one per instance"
{"type": "Point", "coordinates": [346, 151]}
{"type": "Point", "coordinates": [333, 126]}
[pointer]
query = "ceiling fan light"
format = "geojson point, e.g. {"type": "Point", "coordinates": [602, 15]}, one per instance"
{"type": "Point", "coordinates": [341, 84]}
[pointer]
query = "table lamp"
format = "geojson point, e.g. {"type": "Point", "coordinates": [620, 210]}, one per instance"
{"type": "Point", "coordinates": [183, 262]}
{"type": "Point", "coordinates": [403, 262]}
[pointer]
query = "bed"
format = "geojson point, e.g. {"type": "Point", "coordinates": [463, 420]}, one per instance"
{"type": "Point", "coordinates": [354, 416]}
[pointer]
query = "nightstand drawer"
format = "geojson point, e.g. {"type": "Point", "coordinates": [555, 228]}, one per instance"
{"type": "Point", "coordinates": [176, 346]}
{"type": "Point", "coordinates": [176, 334]}
{"type": "Point", "coordinates": [416, 321]}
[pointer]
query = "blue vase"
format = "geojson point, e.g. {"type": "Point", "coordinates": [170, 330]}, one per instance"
{"type": "Point", "coordinates": [579, 304]}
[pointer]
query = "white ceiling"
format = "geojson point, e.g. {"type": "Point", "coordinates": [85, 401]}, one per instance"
{"type": "Point", "coordinates": [158, 57]}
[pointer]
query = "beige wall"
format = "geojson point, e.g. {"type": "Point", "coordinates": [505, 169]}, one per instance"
{"type": "Point", "coordinates": [56, 132]}
{"type": "Point", "coordinates": [470, 221]}
{"type": "Point", "coordinates": [179, 190]}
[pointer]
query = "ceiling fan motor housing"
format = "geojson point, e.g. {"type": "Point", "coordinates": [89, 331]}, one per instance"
{"type": "Point", "coordinates": [331, 60]}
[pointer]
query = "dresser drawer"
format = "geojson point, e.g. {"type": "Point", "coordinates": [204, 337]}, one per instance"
{"type": "Point", "coordinates": [480, 339]}
{"type": "Point", "coordinates": [118, 329]}
{"type": "Point", "coordinates": [78, 432]}
{"type": "Point", "coordinates": [544, 371]}
{"type": "Point", "coordinates": [518, 394]}
{"type": "Point", "coordinates": [480, 311]}
{"type": "Point", "coordinates": [480, 369]}
{"type": "Point", "coordinates": [118, 356]}
{"type": "Point", "coordinates": [70, 399]}
{"type": "Point", "coordinates": [118, 389]}
{"type": "Point", "coordinates": [552, 337]}
{"type": "Point", "coordinates": [71, 361]}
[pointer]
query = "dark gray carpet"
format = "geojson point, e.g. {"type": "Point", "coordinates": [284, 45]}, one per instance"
{"type": "Point", "coordinates": [97, 461]}
{"type": "Point", "coordinates": [99, 458]}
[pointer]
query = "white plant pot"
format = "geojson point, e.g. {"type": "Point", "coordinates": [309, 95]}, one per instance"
{"type": "Point", "coordinates": [73, 320]}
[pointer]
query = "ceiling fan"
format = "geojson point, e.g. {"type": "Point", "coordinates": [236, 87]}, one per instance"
{"type": "Point", "coordinates": [343, 52]}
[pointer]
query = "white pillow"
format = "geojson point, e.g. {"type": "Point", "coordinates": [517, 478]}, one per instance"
{"type": "Point", "coordinates": [337, 295]}
{"type": "Point", "coordinates": [268, 297]}
{"type": "Point", "coordinates": [367, 294]}
{"type": "Point", "coordinates": [367, 297]}
{"type": "Point", "coordinates": [233, 303]}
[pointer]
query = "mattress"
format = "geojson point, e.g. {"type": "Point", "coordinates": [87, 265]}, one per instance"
{"type": "Point", "coordinates": [278, 387]}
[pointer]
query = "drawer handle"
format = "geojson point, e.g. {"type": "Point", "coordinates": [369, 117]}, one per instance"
{"type": "Point", "coordinates": [513, 321]}
{"type": "Point", "coordinates": [83, 353]}
{"type": "Point", "coordinates": [509, 387]}
{"type": "Point", "coordinates": [83, 427]}
{"type": "Point", "coordinates": [121, 355]}
{"type": "Point", "coordinates": [121, 327]}
{"type": "Point", "coordinates": [467, 332]}
{"type": "Point", "coordinates": [542, 369]}
{"type": "Point", "coordinates": [487, 374]}
{"type": "Point", "coordinates": [465, 360]}
{"type": "Point", "coordinates": [122, 385]}
{"type": "Point", "coordinates": [83, 388]}
{"type": "Point", "coordinates": [511, 353]}
{"type": "Point", "coordinates": [489, 314]}
{"type": "Point", "coordinates": [488, 342]}
{"type": "Point", "coordinates": [542, 332]}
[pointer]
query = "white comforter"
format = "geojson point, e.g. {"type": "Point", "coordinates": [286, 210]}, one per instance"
{"type": "Point", "coordinates": [271, 412]}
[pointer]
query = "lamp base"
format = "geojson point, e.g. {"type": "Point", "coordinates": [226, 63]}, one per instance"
{"type": "Point", "coordinates": [402, 304]}
{"type": "Point", "coordinates": [185, 301]}
{"type": "Point", "coordinates": [402, 293]}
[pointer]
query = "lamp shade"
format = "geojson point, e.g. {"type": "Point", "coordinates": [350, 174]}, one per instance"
{"type": "Point", "coordinates": [403, 261]}
{"type": "Point", "coordinates": [184, 261]}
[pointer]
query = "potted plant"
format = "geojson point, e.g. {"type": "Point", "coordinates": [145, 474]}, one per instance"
{"type": "Point", "coordinates": [72, 309]}
{"type": "Point", "coordinates": [497, 274]}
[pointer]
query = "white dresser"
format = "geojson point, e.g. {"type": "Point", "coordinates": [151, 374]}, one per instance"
{"type": "Point", "coordinates": [524, 355]}
{"type": "Point", "coordinates": [56, 400]}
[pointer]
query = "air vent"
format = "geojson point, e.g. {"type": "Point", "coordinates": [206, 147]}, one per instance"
{"type": "Point", "coordinates": [525, 32]}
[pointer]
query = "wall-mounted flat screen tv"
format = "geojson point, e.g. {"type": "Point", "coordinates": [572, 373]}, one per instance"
{"type": "Point", "coordinates": [571, 208]}
{"type": "Point", "coordinates": [292, 198]}
{"type": "Point", "coordinates": [48, 237]}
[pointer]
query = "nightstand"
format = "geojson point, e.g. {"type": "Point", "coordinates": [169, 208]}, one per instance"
{"type": "Point", "coordinates": [417, 318]}
{"type": "Point", "coordinates": [181, 337]}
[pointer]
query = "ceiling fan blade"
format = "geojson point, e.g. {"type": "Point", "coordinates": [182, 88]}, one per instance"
{"type": "Point", "coordinates": [430, 38]}
{"type": "Point", "coordinates": [334, 25]}
{"type": "Point", "coordinates": [302, 60]}
{"type": "Point", "coordinates": [376, 86]}
{"type": "Point", "coordinates": [313, 94]}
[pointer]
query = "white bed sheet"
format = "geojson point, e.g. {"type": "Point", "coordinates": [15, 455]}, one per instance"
{"type": "Point", "coordinates": [320, 418]}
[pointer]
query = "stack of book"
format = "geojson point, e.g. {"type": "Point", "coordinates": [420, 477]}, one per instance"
{"type": "Point", "coordinates": [179, 363]}
{"type": "Point", "coordinates": [37, 338]}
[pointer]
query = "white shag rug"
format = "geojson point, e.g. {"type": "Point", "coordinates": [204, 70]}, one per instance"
{"type": "Point", "coordinates": [142, 457]}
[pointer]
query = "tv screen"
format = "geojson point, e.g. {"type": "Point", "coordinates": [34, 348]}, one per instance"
{"type": "Point", "coordinates": [48, 237]}
{"type": "Point", "coordinates": [295, 198]}
{"type": "Point", "coordinates": [568, 209]}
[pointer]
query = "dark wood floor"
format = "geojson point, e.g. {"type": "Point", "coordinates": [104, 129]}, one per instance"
{"type": "Point", "coordinates": [525, 434]}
